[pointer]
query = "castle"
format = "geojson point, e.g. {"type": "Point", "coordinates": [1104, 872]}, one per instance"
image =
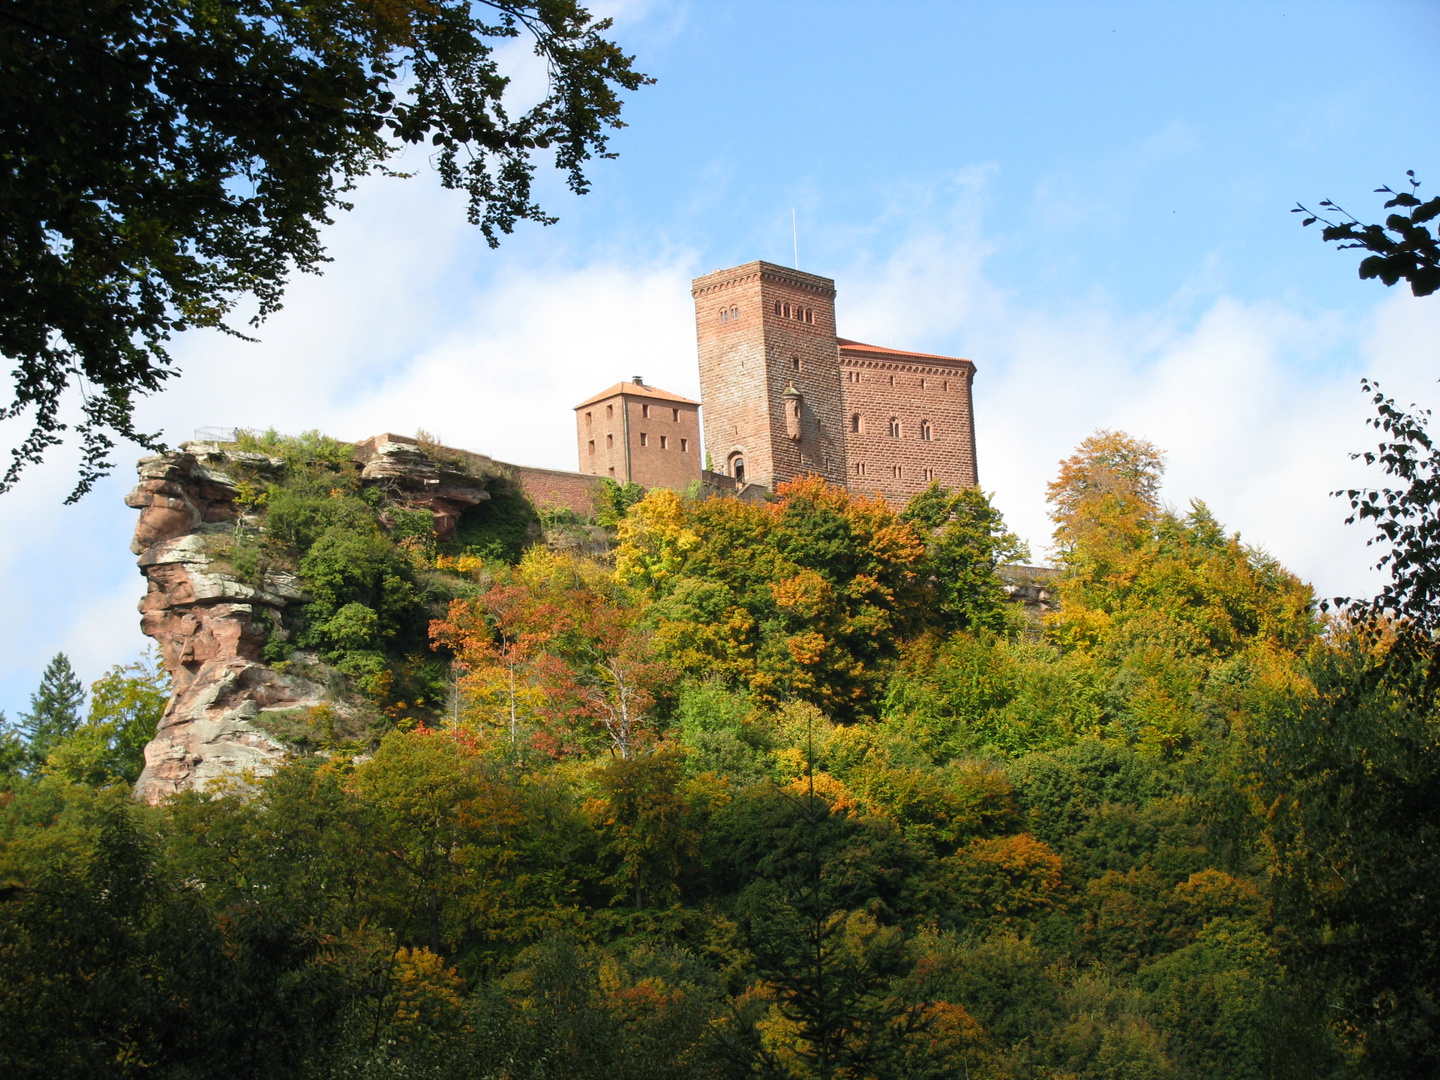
{"type": "Point", "coordinates": [784, 397]}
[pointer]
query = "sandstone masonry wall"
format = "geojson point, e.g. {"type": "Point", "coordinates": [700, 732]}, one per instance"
{"type": "Point", "coordinates": [909, 421]}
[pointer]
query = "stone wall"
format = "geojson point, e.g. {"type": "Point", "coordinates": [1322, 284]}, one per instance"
{"type": "Point", "coordinates": [554, 488]}
{"type": "Point", "coordinates": [922, 394]}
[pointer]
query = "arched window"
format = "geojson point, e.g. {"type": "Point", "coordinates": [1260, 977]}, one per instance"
{"type": "Point", "coordinates": [855, 422]}
{"type": "Point", "coordinates": [724, 315]}
{"type": "Point", "coordinates": [734, 313]}
{"type": "Point", "coordinates": [787, 311]}
{"type": "Point", "coordinates": [795, 362]}
{"type": "Point", "coordinates": [777, 307]}
{"type": "Point", "coordinates": [737, 467]}
{"type": "Point", "coordinates": [809, 315]}
{"type": "Point", "coordinates": [924, 430]}
{"type": "Point", "coordinates": [894, 427]}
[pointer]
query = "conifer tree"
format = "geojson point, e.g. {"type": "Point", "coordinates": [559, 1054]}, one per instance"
{"type": "Point", "coordinates": [54, 710]}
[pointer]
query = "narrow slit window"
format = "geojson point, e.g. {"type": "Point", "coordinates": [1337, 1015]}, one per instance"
{"type": "Point", "coordinates": [644, 439]}
{"type": "Point", "coordinates": [588, 418]}
{"type": "Point", "coordinates": [675, 415]}
{"type": "Point", "coordinates": [592, 446]}
{"type": "Point", "coordinates": [894, 427]}
{"type": "Point", "coordinates": [795, 363]}
{"type": "Point", "coordinates": [664, 442]}
{"type": "Point", "coordinates": [684, 446]}
{"type": "Point", "coordinates": [645, 411]}
{"type": "Point", "coordinates": [609, 442]}
{"type": "Point", "coordinates": [925, 431]}
{"type": "Point", "coordinates": [609, 411]}
{"type": "Point", "coordinates": [855, 423]}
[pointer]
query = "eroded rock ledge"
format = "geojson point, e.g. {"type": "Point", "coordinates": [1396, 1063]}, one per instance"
{"type": "Point", "coordinates": [212, 626]}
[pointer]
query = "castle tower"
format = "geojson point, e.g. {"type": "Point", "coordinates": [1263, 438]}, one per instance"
{"type": "Point", "coordinates": [770, 369]}
{"type": "Point", "coordinates": [637, 432]}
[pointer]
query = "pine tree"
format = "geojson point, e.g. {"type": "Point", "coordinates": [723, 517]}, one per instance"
{"type": "Point", "coordinates": [54, 710]}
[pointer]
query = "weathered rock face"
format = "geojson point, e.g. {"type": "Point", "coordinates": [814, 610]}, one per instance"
{"type": "Point", "coordinates": [1033, 587]}
{"type": "Point", "coordinates": [211, 627]}
{"type": "Point", "coordinates": [411, 479]}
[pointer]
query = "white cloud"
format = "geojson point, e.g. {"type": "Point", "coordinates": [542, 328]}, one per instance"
{"type": "Point", "coordinates": [1256, 402]}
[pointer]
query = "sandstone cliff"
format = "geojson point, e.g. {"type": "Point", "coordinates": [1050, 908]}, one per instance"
{"type": "Point", "coordinates": [212, 622]}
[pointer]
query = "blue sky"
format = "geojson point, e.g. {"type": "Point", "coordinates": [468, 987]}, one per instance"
{"type": "Point", "coordinates": [1088, 200]}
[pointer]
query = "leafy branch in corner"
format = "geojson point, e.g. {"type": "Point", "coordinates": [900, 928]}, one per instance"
{"type": "Point", "coordinates": [1406, 518]}
{"type": "Point", "coordinates": [1404, 247]}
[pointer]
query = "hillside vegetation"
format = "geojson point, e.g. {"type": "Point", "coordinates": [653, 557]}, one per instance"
{"type": "Point", "coordinates": [782, 790]}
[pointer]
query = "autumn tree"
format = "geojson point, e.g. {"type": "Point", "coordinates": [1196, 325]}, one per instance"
{"type": "Point", "coordinates": [552, 639]}
{"type": "Point", "coordinates": [167, 161]}
{"type": "Point", "coordinates": [806, 597]}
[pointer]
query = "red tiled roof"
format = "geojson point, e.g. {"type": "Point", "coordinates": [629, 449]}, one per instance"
{"type": "Point", "coordinates": [636, 390]}
{"type": "Point", "coordinates": [847, 345]}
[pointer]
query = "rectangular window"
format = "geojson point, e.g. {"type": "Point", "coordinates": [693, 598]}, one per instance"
{"type": "Point", "coordinates": [642, 439]}
{"type": "Point", "coordinates": [612, 470]}
{"type": "Point", "coordinates": [664, 442]}
{"type": "Point", "coordinates": [609, 442]}
{"type": "Point", "coordinates": [675, 415]}
{"type": "Point", "coordinates": [592, 446]}
{"type": "Point", "coordinates": [896, 471]}
{"type": "Point", "coordinates": [645, 411]}
{"type": "Point", "coordinates": [588, 417]}
{"type": "Point", "coordinates": [929, 474]}
{"type": "Point", "coordinates": [684, 446]}
{"type": "Point", "coordinates": [859, 468]}
{"type": "Point", "coordinates": [609, 411]}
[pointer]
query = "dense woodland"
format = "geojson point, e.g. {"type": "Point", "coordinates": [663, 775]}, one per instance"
{"type": "Point", "coordinates": [770, 790]}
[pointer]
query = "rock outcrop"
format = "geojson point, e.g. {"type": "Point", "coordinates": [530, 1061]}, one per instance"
{"type": "Point", "coordinates": [212, 624]}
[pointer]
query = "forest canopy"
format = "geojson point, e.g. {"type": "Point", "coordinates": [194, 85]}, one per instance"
{"type": "Point", "coordinates": [790, 789]}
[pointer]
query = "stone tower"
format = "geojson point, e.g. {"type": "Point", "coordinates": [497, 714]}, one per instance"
{"type": "Point", "coordinates": [770, 368]}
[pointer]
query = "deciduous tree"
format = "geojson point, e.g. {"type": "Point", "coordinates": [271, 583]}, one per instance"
{"type": "Point", "coordinates": [165, 160]}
